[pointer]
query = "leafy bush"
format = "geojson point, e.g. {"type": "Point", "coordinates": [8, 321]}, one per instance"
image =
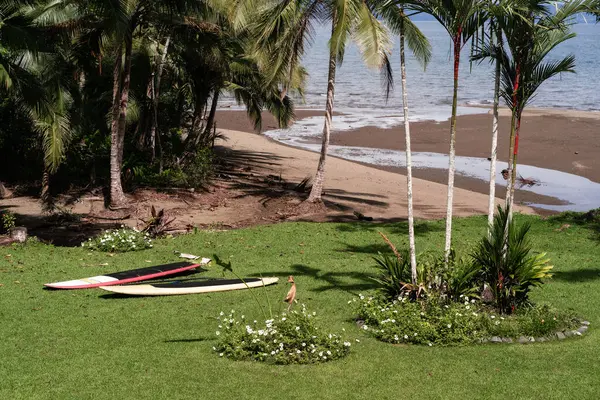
{"type": "Point", "coordinates": [194, 173]}
{"type": "Point", "coordinates": [507, 263]}
{"type": "Point", "coordinates": [292, 338]}
{"type": "Point", "coordinates": [434, 277]}
{"type": "Point", "coordinates": [468, 321]}
{"type": "Point", "coordinates": [7, 221]}
{"type": "Point", "coordinates": [119, 240]}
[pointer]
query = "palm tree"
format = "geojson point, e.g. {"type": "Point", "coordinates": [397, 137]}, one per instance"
{"type": "Point", "coordinates": [401, 24]}
{"type": "Point", "coordinates": [530, 38]}
{"type": "Point", "coordinates": [461, 19]}
{"type": "Point", "coordinates": [26, 48]}
{"type": "Point", "coordinates": [287, 26]}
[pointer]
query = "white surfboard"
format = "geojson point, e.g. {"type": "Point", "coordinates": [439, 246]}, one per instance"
{"type": "Point", "coordinates": [190, 287]}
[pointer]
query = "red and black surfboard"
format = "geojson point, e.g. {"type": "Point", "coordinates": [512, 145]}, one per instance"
{"type": "Point", "coordinates": [134, 275]}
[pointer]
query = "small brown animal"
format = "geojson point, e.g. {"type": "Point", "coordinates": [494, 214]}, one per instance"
{"type": "Point", "coordinates": [291, 295]}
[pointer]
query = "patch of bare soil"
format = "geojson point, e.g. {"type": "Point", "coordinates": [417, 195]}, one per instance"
{"type": "Point", "coordinates": [238, 198]}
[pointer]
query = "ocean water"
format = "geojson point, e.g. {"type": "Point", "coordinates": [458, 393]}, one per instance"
{"type": "Point", "coordinates": [360, 97]}
{"type": "Point", "coordinates": [430, 90]}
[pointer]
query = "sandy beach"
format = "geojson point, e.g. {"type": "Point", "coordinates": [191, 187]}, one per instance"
{"type": "Point", "coordinates": [563, 140]}
{"type": "Point", "coordinates": [373, 191]}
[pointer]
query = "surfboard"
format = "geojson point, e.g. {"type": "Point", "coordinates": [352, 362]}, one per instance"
{"type": "Point", "coordinates": [134, 275]}
{"type": "Point", "coordinates": [190, 287]}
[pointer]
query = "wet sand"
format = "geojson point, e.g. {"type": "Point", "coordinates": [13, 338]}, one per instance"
{"type": "Point", "coordinates": [567, 142]}
{"type": "Point", "coordinates": [563, 140]}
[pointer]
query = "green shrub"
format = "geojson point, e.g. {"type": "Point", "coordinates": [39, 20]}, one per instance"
{"type": "Point", "coordinates": [507, 263]}
{"type": "Point", "coordinates": [7, 221]}
{"type": "Point", "coordinates": [119, 240]}
{"type": "Point", "coordinates": [434, 277]}
{"type": "Point", "coordinates": [292, 338]}
{"type": "Point", "coordinates": [433, 322]}
{"type": "Point", "coordinates": [194, 173]}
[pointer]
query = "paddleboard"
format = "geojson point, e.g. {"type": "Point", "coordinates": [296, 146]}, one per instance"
{"type": "Point", "coordinates": [190, 287]}
{"type": "Point", "coordinates": [134, 275]}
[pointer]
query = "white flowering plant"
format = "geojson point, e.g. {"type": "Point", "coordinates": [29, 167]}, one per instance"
{"type": "Point", "coordinates": [291, 338]}
{"type": "Point", "coordinates": [435, 322]}
{"type": "Point", "coordinates": [119, 240]}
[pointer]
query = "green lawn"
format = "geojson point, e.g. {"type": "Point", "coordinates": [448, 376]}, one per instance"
{"type": "Point", "coordinates": [86, 344]}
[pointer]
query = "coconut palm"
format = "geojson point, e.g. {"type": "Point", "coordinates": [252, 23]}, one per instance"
{"type": "Point", "coordinates": [394, 15]}
{"type": "Point", "coordinates": [285, 27]}
{"type": "Point", "coordinates": [461, 19]}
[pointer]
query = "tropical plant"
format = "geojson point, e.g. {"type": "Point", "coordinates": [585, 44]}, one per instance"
{"type": "Point", "coordinates": [396, 18]}
{"type": "Point", "coordinates": [157, 224]}
{"type": "Point", "coordinates": [284, 29]}
{"type": "Point", "coordinates": [507, 263]}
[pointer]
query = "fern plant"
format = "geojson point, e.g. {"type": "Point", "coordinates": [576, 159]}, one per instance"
{"type": "Point", "coordinates": [507, 263]}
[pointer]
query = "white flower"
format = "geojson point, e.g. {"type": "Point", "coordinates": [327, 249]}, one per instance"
{"type": "Point", "coordinates": [430, 344]}
{"type": "Point", "coordinates": [273, 353]}
{"type": "Point", "coordinates": [217, 333]}
{"type": "Point", "coordinates": [492, 316]}
{"type": "Point", "coordinates": [365, 327]}
{"type": "Point", "coordinates": [303, 344]}
{"type": "Point", "coordinates": [357, 341]}
{"type": "Point", "coordinates": [298, 352]}
{"type": "Point", "coordinates": [220, 354]}
{"type": "Point", "coordinates": [347, 344]}
{"type": "Point", "coordinates": [297, 328]}
{"type": "Point", "coordinates": [449, 326]}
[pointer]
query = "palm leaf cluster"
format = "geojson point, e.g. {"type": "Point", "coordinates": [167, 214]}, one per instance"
{"type": "Point", "coordinates": [507, 263]}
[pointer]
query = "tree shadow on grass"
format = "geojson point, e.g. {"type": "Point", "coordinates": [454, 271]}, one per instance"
{"type": "Point", "coordinates": [395, 226]}
{"type": "Point", "coordinates": [578, 275]}
{"type": "Point", "coordinates": [329, 280]}
{"type": "Point", "coordinates": [191, 340]}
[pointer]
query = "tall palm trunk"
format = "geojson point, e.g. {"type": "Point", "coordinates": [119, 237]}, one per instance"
{"type": "Point", "coordinates": [211, 115]}
{"type": "Point", "coordinates": [513, 175]}
{"type": "Point", "coordinates": [411, 227]}
{"type": "Point", "coordinates": [493, 153]}
{"type": "Point", "coordinates": [117, 197]}
{"type": "Point", "coordinates": [513, 144]}
{"type": "Point", "coordinates": [317, 187]}
{"type": "Point", "coordinates": [451, 155]}
{"type": "Point", "coordinates": [155, 98]}
{"type": "Point", "coordinates": [116, 189]}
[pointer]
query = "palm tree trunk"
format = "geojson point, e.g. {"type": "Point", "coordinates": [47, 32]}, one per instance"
{"type": "Point", "coordinates": [155, 97]}
{"type": "Point", "coordinates": [211, 116]}
{"type": "Point", "coordinates": [513, 175]}
{"type": "Point", "coordinates": [514, 127]}
{"type": "Point", "coordinates": [116, 189]}
{"type": "Point", "coordinates": [4, 192]}
{"type": "Point", "coordinates": [317, 187]}
{"type": "Point", "coordinates": [117, 197]}
{"type": "Point", "coordinates": [46, 196]}
{"type": "Point", "coordinates": [411, 227]}
{"type": "Point", "coordinates": [493, 154]}
{"type": "Point", "coordinates": [452, 152]}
